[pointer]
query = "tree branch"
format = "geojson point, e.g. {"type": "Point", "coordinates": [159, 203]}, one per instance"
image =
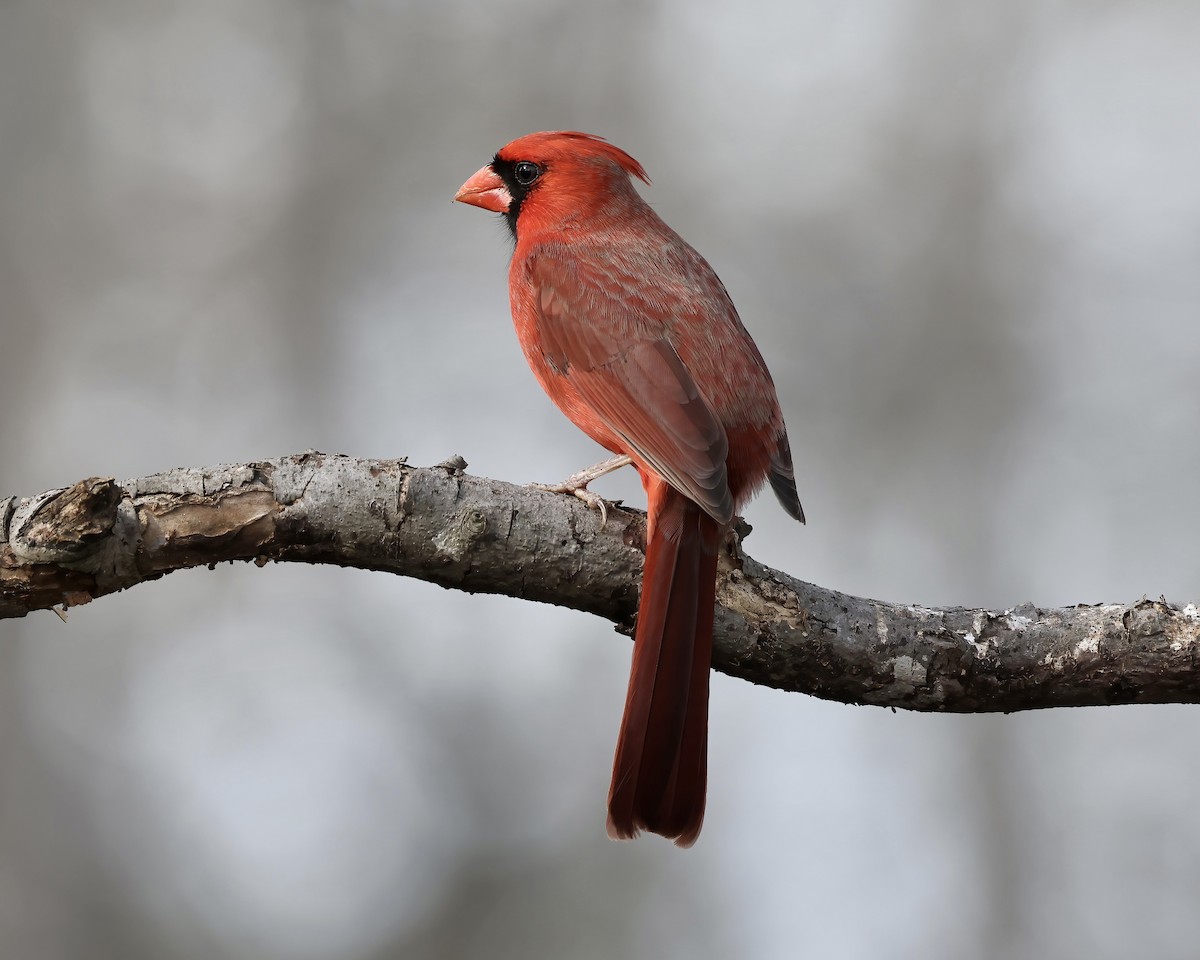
{"type": "Point", "coordinates": [66, 547]}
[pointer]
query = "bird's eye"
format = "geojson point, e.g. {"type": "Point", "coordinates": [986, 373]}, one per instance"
{"type": "Point", "coordinates": [526, 172]}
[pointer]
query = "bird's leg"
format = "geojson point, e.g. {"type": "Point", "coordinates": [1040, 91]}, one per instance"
{"type": "Point", "coordinates": [577, 484]}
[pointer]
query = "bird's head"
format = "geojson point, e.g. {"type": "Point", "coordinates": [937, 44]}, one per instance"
{"type": "Point", "coordinates": [547, 179]}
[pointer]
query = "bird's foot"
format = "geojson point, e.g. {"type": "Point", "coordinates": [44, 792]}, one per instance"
{"type": "Point", "coordinates": [577, 484]}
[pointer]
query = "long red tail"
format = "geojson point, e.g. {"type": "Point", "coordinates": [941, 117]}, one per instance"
{"type": "Point", "coordinates": [661, 768]}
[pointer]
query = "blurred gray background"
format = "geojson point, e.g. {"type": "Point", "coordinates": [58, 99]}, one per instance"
{"type": "Point", "coordinates": [965, 236]}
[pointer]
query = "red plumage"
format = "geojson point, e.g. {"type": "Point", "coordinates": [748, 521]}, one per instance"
{"type": "Point", "coordinates": [635, 339]}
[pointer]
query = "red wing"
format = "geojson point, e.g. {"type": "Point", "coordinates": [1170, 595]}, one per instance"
{"type": "Point", "coordinates": [624, 368]}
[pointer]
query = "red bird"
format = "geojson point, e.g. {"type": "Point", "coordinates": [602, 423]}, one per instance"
{"type": "Point", "coordinates": [632, 335]}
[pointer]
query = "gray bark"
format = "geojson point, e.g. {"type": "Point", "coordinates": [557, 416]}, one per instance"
{"type": "Point", "coordinates": [66, 547]}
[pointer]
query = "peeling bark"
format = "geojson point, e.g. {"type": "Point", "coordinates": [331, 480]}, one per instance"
{"type": "Point", "coordinates": [66, 547]}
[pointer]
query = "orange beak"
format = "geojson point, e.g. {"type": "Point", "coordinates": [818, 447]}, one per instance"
{"type": "Point", "coordinates": [485, 189]}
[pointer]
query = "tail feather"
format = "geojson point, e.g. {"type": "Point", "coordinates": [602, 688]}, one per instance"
{"type": "Point", "coordinates": [660, 769]}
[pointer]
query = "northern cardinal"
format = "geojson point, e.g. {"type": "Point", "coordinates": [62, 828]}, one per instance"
{"type": "Point", "coordinates": [632, 335]}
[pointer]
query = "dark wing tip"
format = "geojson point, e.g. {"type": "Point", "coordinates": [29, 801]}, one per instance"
{"type": "Point", "coordinates": [783, 480]}
{"type": "Point", "coordinates": [785, 490]}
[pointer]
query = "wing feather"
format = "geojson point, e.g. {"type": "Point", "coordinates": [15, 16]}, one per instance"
{"type": "Point", "coordinates": [623, 365]}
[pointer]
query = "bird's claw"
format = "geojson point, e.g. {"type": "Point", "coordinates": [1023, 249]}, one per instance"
{"type": "Point", "coordinates": [580, 490]}
{"type": "Point", "coordinates": [594, 502]}
{"type": "Point", "coordinates": [577, 484]}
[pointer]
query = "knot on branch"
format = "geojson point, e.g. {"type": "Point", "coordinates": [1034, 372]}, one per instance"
{"type": "Point", "coordinates": [458, 536]}
{"type": "Point", "coordinates": [64, 526]}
